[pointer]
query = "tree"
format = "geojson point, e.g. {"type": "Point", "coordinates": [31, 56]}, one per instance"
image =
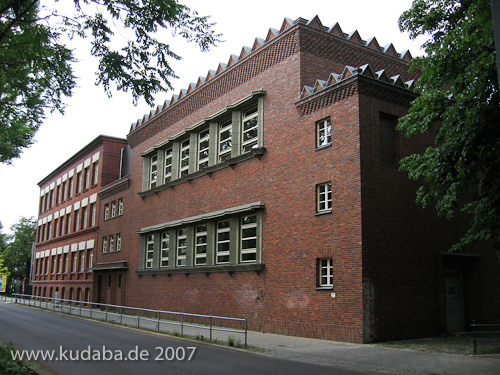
{"type": "Point", "coordinates": [17, 255]}
{"type": "Point", "coordinates": [459, 100]}
{"type": "Point", "coordinates": [35, 64]}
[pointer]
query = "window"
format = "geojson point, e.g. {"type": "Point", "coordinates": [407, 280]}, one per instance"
{"type": "Point", "coordinates": [153, 171]}
{"type": "Point", "coordinates": [118, 242]}
{"type": "Point", "coordinates": [184, 158]}
{"type": "Point", "coordinates": [79, 182]}
{"type": "Point", "coordinates": [91, 258]}
{"type": "Point", "coordinates": [62, 226]}
{"type": "Point", "coordinates": [168, 165]}
{"type": "Point", "coordinates": [150, 247]}
{"type": "Point", "coordinates": [120, 206]}
{"type": "Point", "coordinates": [66, 263]}
{"type": "Point", "coordinates": [223, 241]}
{"type": "Point", "coordinates": [84, 217]}
{"type": "Point", "coordinates": [201, 245]}
{"type": "Point", "coordinates": [113, 209]}
{"type": "Point", "coordinates": [51, 203]}
{"type": "Point", "coordinates": [323, 132]}
{"type": "Point", "coordinates": [87, 177]}
{"type": "Point", "coordinates": [324, 197]}
{"type": "Point", "coordinates": [75, 260]}
{"type": "Point", "coordinates": [181, 246]}
{"type": "Point", "coordinates": [63, 191]}
{"type": "Point", "coordinates": [165, 246]}
{"type": "Point", "coordinates": [111, 243]}
{"type": "Point", "coordinates": [96, 172]}
{"type": "Point", "coordinates": [54, 263]}
{"type": "Point", "coordinates": [203, 149]}
{"type": "Point", "coordinates": [93, 210]}
{"type": "Point", "coordinates": [70, 187]}
{"type": "Point", "coordinates": [49, 230]}
{"type": "Point", "coordinates": [325, 278]}
{"type": "Point", "coordinates": [250, 129]}
{"type": "Point", "coordinates": [68, 223]}
{"type": "Point", "coordinates": [60, 263]}
{"type": "Point", "coordinates": [109, 281]}
{"type": "Point", "coordinates": [119, 282]}
{"type": "Point", "coordinates": [82, 260]}
{"type": "Point", "coordinates": [58, 194]}
{"type": "Point", "coordinates": [106, 211]}
{"type": "Point", "coordinates": [248, 237]}
{"type": "Point", "coordinates": [225, 140]}
{"type": "Point", "coordinates": [104, 244]}
{"type": "Point", "coordinates": [77, 220]}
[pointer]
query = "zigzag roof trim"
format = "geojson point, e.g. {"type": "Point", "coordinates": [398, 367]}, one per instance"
{"type": "Point", "coordinates": [314, 22]}
{"type": "Point", "coordinates": [349, 71]}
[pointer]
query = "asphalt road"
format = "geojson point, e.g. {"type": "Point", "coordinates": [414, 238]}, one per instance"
{"type": "Point", "coordinates": [88, 347]}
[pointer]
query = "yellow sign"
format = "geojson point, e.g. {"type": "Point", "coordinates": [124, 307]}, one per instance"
{"type": "Point", "coordinates": [3, 283]}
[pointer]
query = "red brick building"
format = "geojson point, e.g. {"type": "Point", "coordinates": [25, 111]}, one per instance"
{"type": "Point", "coordinates": [68, 220]}
{"type": "Point", "coordinates": [270, 190]}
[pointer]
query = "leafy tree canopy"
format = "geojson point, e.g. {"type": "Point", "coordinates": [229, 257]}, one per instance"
{"type": "Point", "coordinates": [35, 64]}
{"type": "Point", "coordinates": [459, 101]}
{"type": "Point", "coordinates": [17, 255]}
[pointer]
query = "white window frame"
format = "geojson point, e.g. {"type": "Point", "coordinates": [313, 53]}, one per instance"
{"type": "Point", "coordinates": [201, 242]}
{"type": "Point", "coordinates": [325, 272]}
{"type": "Point", "coordinates": [203, 148]}
{"type": "Point", "coordinates": [225, 142]}
{"type": "Point", "coordinates": [106, 211]}
{"type": "Point", "coordinates": [181, 247]}
{"type": "Point", "coordinates": [104, 245]}
{"type": "Point", "coordinates": [150, 249]}
{"type": "Point", "coordinates": [324, 197]}
{"type": "Point", "coordinates": [118, 242]}
{"type": "Point", "coordinates": [120, 206]}
{"type": "Point", "coordinates": [324, 132]}
{"type": "Point", "coordinates": [113, 209]}
{"type": "Point", "coordinates": [184, 151]}
{"type": "Point", "coordinates": [96, 172]}
{"type": "Point", "coordinates": [221, 242]}
{"type": "Point", "coordinates": [111, 243]}
{"type": "Point", "coordinates": [168, 165]}
{"type": "Point", "coordinates": [248, 117]}
{"type": "Point", "coordinates": [153, 171]}
{"type": "Point", "coordinates": [246, 240]}
{"type": "Point", "coordinates": [165, 248]}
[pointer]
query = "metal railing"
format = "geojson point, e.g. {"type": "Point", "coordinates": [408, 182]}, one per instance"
{"type": "Point", "coordinates": [133, 316]}
{"type": "Point", "coordinates": [481, 332]}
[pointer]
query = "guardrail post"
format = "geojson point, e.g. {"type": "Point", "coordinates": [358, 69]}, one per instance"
{"type": "Point", "coordinates": [210, 327]}
{"type": "Point", "coordinates": [158, 320]}
{"type": "Point", "coordinates": [246, 331]}
{"type": "Point", "coordinates": [138, 317]}
{"type": "Point", "coordinates": [121, 315]}
{"type": "Point", "coordinates": [182, 324]}
{"type": "Point", "coordinates": [474, 337]}
{"type": "Point", "coordinates": [80, 308]}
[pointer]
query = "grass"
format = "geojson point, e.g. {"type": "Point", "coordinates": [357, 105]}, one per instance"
{"type": "Point", "coordinates": [8, 366]}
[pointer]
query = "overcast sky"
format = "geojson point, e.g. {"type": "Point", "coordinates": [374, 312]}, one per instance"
{"type": "Point", "coordinates": [90, 112]}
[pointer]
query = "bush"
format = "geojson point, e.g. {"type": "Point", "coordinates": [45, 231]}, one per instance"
{"type": "Point", "coordinates": [10, 367]}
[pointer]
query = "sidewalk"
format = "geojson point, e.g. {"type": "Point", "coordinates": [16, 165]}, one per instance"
{"type": "Point", "coordinates": [362, 357]}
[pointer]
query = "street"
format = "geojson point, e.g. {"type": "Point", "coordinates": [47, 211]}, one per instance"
{"type": "Point", "coordinates": [79, 346]}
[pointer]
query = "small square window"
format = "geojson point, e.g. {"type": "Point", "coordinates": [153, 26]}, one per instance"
{"type": "Point", "coordinates": [325, 272]}
{"type": "Point", "coordinates": [324, 197]}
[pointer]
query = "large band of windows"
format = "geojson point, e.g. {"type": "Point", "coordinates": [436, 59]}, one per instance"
{"type": "Point", "coordinates": [111, 243]}
{"type": "Point", "coordinates": [229, 135]}
{"type": "Point", "coordinates": [228, 240]}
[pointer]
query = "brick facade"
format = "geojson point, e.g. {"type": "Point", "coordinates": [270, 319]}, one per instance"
{"type": "Point", "coordinates": [64, 251]}
{"type": "Point", "coordinates": [386, 271]}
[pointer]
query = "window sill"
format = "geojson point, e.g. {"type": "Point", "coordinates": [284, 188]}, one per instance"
{"type": "Point", "coordinates": [326, 212]}
{"type": "Point", "coordinates": [255, 152]}
{"type": "Point", "coordinates": [324, 288]}
{"type": "Point", "coordinates": [323, 147]}
{"type": "Point", "coordinates": [203, 269]}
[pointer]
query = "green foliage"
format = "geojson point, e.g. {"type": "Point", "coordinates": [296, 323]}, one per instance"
{"type": "Point", "coordinates": [460, 102]}
{"type": "Point", "coordinates": [17, 255]}
{"type": "Point", "coordinates": [9, 366]}
{"type": "Point", "coordinates": [35, 65]}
